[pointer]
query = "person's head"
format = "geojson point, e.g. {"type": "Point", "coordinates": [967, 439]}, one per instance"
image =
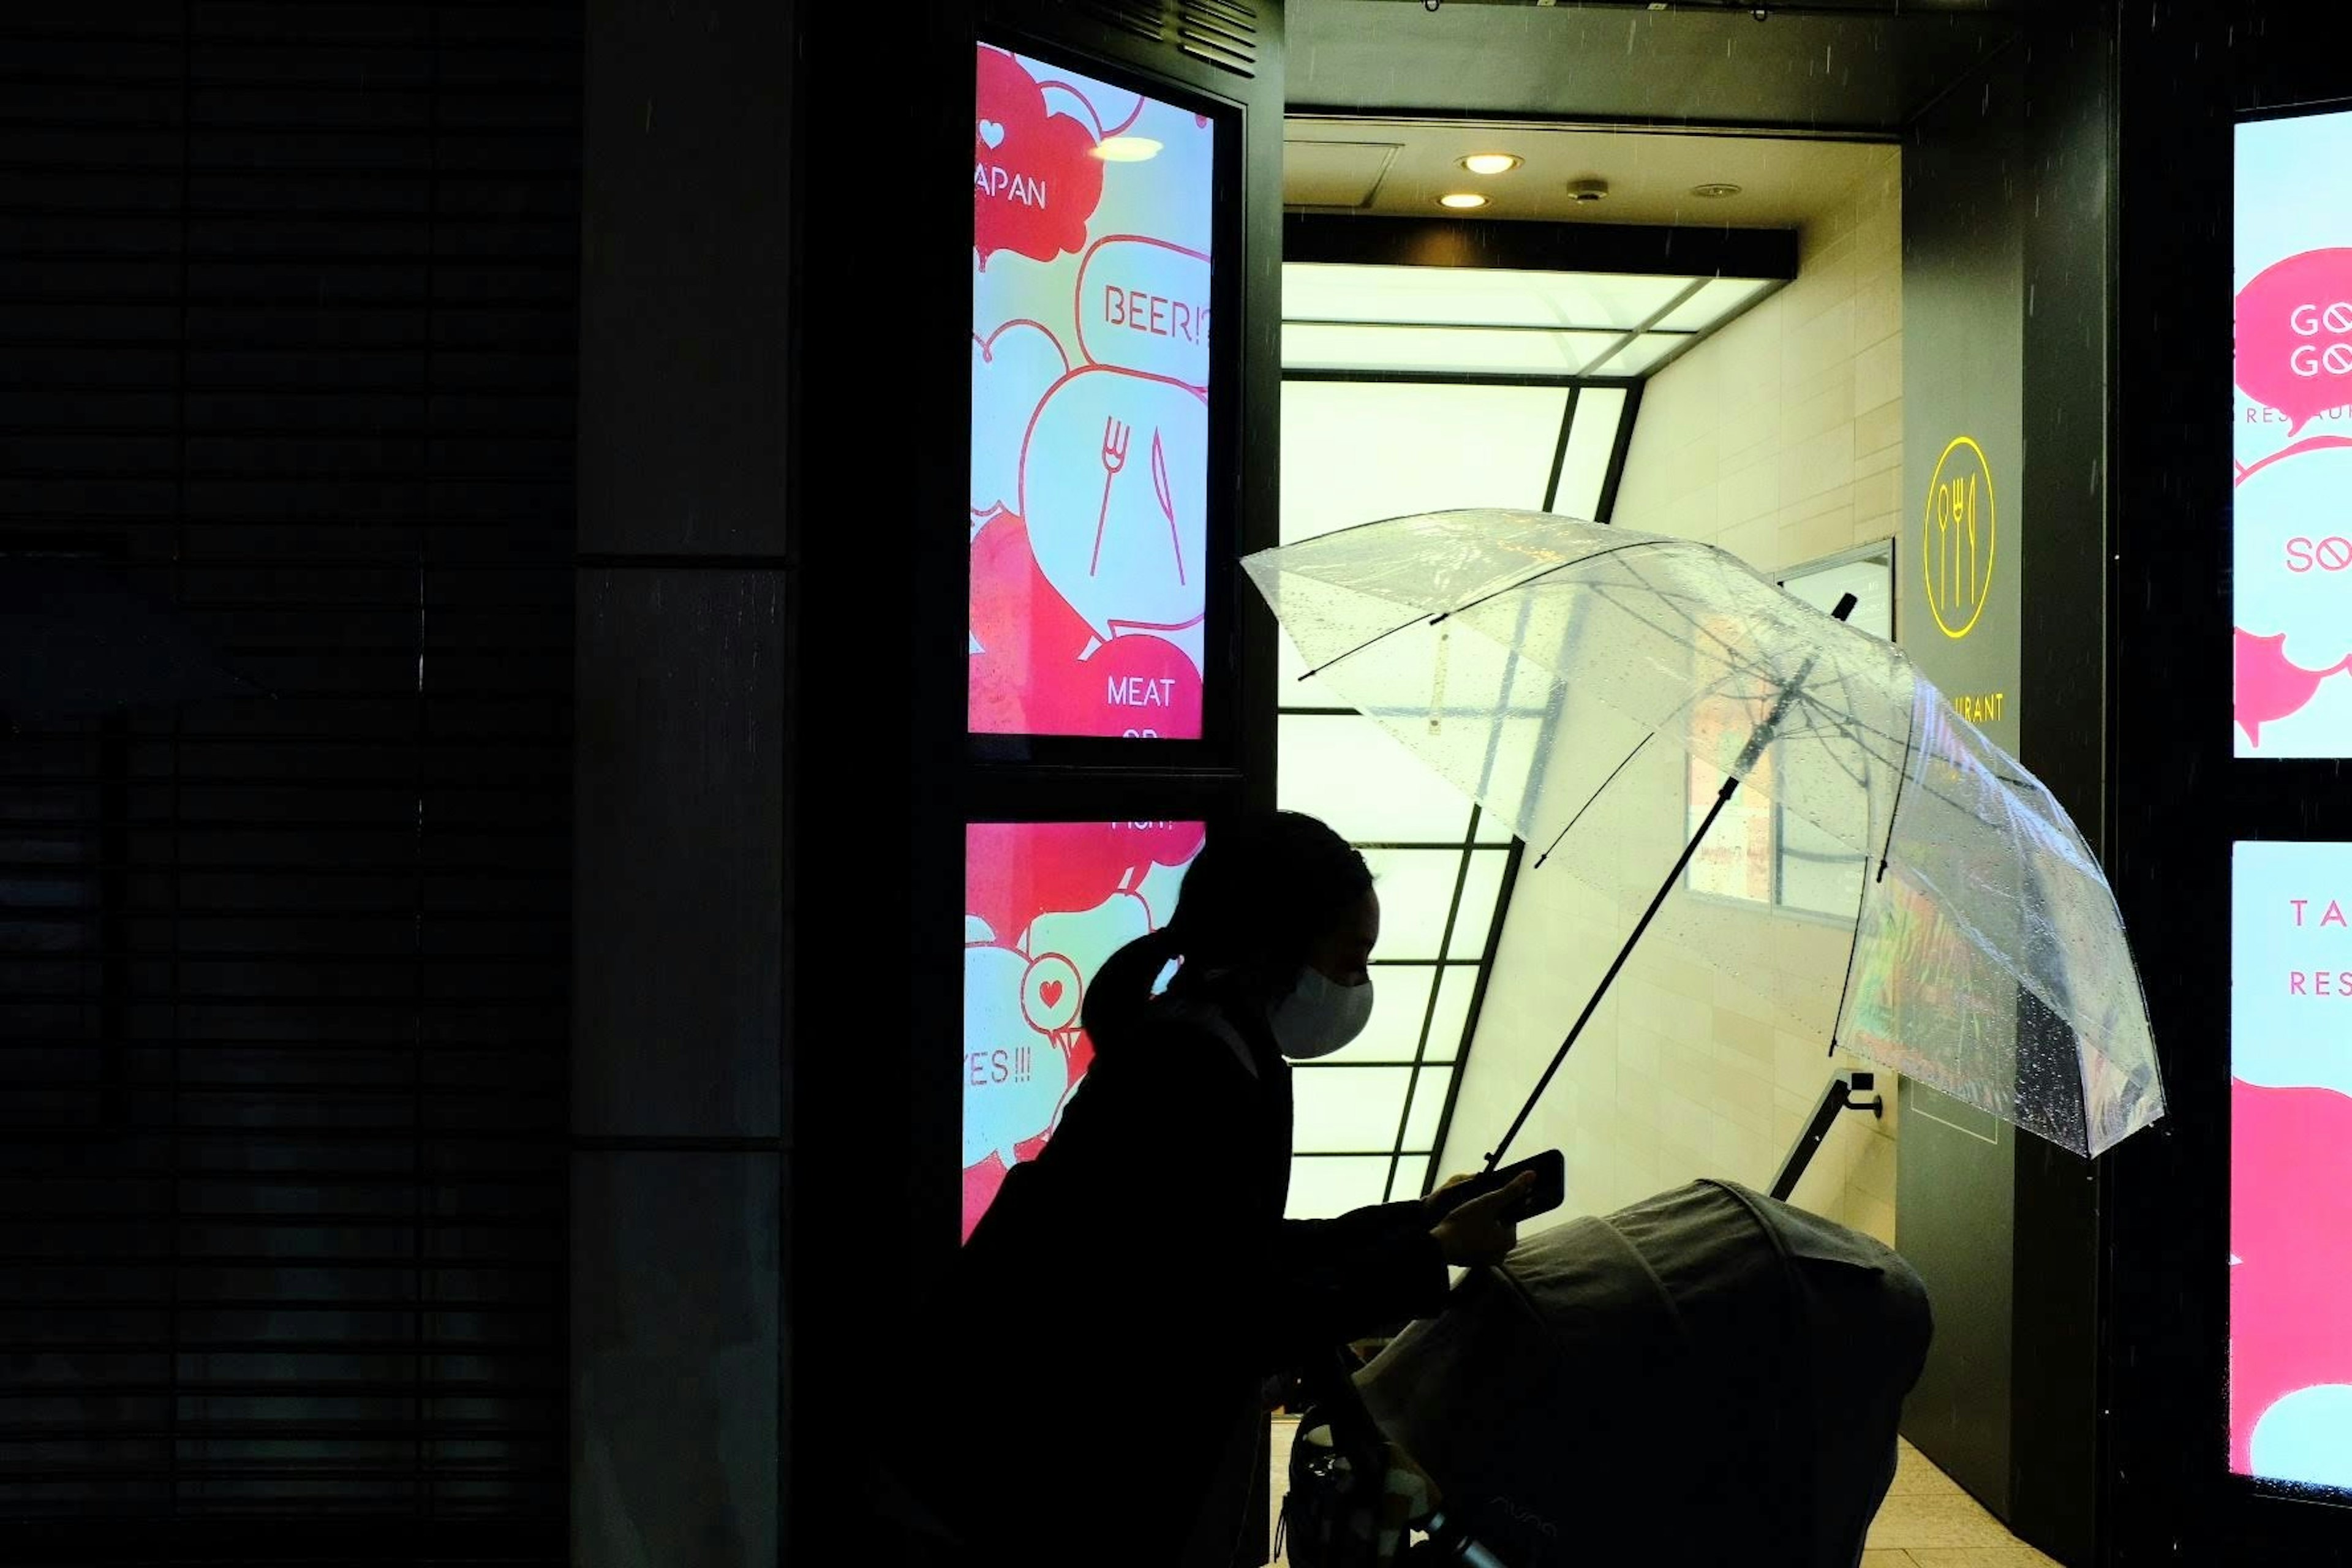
{"type": "Point", "coordinates": [1277, 912]}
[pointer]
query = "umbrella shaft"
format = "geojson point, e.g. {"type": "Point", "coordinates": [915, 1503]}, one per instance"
{"type": "Point", "coordinates": [1681, 862]}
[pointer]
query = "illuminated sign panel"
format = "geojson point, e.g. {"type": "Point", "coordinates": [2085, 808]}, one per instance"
{"type": "Point", "coordinates": [1092, 212]}
{"type": "Point", "coordinates": [1045, 904]}
{"type": "Point", "coordinates": [2292, 434]}
{"type": "Point", "coordinates": [2291, 1164]}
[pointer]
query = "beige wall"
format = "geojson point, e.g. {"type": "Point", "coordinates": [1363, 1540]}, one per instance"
{"type": "Point", "coordinates": [1779, 438]}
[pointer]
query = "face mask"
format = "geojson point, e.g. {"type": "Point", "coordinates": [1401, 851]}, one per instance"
{"type": "Point", "coordinates": [1319, 1016]}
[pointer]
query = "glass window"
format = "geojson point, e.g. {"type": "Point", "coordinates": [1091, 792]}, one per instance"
{"type": "Point", "coordinates": [1400, 1004]}
{"type": "Point", "coordinates": [1643, 354]}
{"type": "Point", "coordinates": [1410, 1177]}
{"type": "Point", "coordinates": [1323, 1186]}
{"type": "Point", "coordinates": [1354, 451]}
{"type": "Point", "coordinates": [1355, 776]}
{"type": "Point", "coordinates": [1591, 442]}
{"type": "Point", "coordinates": [1719, 300]}
{"type": "Point", "coordinates": [1428, 1105]}
{"type": "Point", "coordinates": [1346, 1109]}
{"type": "Point", "coordinates": [1493, 350]}
{"type": "Point", "coordinates": [1474, 296]}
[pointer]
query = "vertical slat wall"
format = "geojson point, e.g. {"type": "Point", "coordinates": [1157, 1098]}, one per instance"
{"type": "Point", "coordinates": [286, 325]}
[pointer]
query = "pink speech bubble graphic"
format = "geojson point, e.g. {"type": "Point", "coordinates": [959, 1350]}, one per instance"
{"type": "Point", "coordinates": [2290, 1223]}
{"type": "Point", "coordinates": [1109, 110]}
{"type": "Point", "coordinates": [1114, 480]}
{"type": "Point", "coordinates": [2294, 335]}
{"type": "Point", "coordinates": [2270, 686]}
{"type": "Point", "coordinates": [1035, 180]}
{"type": "Point", "coordinates": [1143, 305]}
{"type": "Point", "coordinates": [1137, 686]}
{"type": "Point", "coordinates": [1012, 368]}
{"type": "Point", "coordinates": [1028, 636]}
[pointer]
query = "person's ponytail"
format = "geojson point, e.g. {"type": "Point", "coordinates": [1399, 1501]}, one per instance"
{"type": "Point", "coordinates": [1123, 986]}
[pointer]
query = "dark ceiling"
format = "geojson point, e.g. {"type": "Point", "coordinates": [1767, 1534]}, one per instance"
{"type": "Point", "coordinates": [1865, 66]}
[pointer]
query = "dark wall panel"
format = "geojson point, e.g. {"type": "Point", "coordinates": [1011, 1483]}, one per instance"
{"type": "Point", "coordinates": [286, 304]}
{"type": "Point", "coordinates": [680, 857]}
{"type": "Point", "coordinates": [687, 269]}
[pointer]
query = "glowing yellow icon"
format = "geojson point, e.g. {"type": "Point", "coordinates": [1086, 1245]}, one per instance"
{"type": "Point", "coordinates": [1957, 537]}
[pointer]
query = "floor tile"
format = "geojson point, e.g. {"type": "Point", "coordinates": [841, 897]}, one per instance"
{"type": "Point", "coordinates": [2016, 1554]}
{"type": "Point", "coordinates": [1915, 1474]}
{"type": "Point", "coordinates": [1928, 1519]}
{"type": "Point", "coordinates": [1887, 1559]}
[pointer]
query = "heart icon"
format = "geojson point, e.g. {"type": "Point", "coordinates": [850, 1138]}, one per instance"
{"type": "Point", "coordinates": [992, 132]}
{"type": "Point", "coordinates": [1050, 992]}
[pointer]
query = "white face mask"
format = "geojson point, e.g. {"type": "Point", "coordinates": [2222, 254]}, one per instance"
{"type": "Point", "coordinates": [1319, 1016]}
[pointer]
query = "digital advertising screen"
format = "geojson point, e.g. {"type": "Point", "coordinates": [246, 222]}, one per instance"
{"type": "Point", "coordinates": [2291, 432]}
{"type": "Point", "coordinates": [1092, 218]}
{"type": "Point", "coordinates": [1045, 904]}
{"type": "Point", "coordinates": [2291, 1164]}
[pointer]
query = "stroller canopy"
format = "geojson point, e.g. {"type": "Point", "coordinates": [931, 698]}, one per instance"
{"type": "Point", "coordinates": [1707, 1376]}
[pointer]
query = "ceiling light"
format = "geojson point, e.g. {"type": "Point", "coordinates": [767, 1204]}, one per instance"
{"type": "Point", "coordinates": [1492, 163]}
{"type": "Point", "coordinates": [1126, 148]}
{"type": "Point", "coordinates": [1714, 190]}
{"type": "Point", "coordinates": [1462, 200]}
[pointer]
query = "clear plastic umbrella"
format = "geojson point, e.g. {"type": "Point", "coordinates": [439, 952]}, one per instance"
{"type": "Point", "coordinates": [1960, 931]}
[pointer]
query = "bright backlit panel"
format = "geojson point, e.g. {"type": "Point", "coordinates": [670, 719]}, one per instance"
{"type": "Point", "coordinates": [1045, 904]}
{"type": "Point", "coordinates": [2291, 1164]}
{"type": "Point", "coordinates": [2291, 432]}
{"type": "Point", "coordinates": [1092, 209]}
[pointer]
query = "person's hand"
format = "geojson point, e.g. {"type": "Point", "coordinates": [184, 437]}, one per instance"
{"type": "Point", "coordinates": [1434, 1202]}
{"type": "Point", "coordinates": [1482, 1232]}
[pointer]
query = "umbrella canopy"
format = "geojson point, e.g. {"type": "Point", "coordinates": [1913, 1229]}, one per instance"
{"type": "Point", "coordinates": [76, 642]}
{"type": "Point", "coordinates": [1532, 659]}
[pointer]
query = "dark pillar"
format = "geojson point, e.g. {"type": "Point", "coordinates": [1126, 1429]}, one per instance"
{"type": "Point", "coordinates": [681, 1060]}
{"type": "Point", "coordinates": [2008, 209]}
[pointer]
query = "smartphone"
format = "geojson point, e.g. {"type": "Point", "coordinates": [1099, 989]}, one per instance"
{"type": "Point", "coordinates": [1551, 1190]}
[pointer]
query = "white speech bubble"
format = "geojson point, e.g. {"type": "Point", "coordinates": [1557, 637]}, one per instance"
{"type": "Point", "coordinates": [2307, 1438]}
{"type": "Point", "coordinates": [2292, 539]}
{"type": "Point", "coordinates": [2284, 1033]}
{"type": "Point", "coordinates": [1089, 937]}
{"type": "Point", "coordinates": [1050, 994]}
{"type": "Point", "coordinates": [1014, 1078]}
{"type": "Point", "coordinates": [1143, 305]}
{"type": "Point", "coordinates": [1012, 368]}
{"type": "Point", "coordinates": [1118, 532]}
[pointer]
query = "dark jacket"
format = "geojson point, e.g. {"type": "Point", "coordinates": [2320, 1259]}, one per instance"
{"type": "Point", "coordinates": [1131, 1288]}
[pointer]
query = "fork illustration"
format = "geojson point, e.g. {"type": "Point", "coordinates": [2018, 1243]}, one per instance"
{"type": "Point", "coordinates": [1114, 459]}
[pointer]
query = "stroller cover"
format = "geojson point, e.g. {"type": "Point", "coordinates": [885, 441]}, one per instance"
{"type": "Point", "coordinates": [1708, 1376]}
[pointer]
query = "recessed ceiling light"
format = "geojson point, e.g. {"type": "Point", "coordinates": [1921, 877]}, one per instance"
{"type": "Point", "coordinates": [1714, 190]}
{"type": "Point", "coordinates": [1127, 148]}
{"type": "Point", "coordinates": [1492, 163]}
{"type": "Point", "coordinates": [1461, 200]}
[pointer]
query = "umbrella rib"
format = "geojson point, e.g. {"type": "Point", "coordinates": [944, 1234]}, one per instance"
{"type": "Point", "coordinates": [1483, 598]}
{"type": "Point", "coordinates": [1894, 809]}
{"type": "Point", "coordinates": [1588, 799]}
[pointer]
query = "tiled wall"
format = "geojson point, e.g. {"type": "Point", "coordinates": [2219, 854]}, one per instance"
{"type": "Point", "coordinates": [1779, 438]}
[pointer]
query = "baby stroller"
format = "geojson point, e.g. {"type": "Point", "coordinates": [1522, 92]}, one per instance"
{"type": "Point", "coordinates": [1709, 1376]}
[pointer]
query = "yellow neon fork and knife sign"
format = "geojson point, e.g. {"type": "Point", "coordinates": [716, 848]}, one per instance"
{"type": "Point", "coordinates": [1958, 535]}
